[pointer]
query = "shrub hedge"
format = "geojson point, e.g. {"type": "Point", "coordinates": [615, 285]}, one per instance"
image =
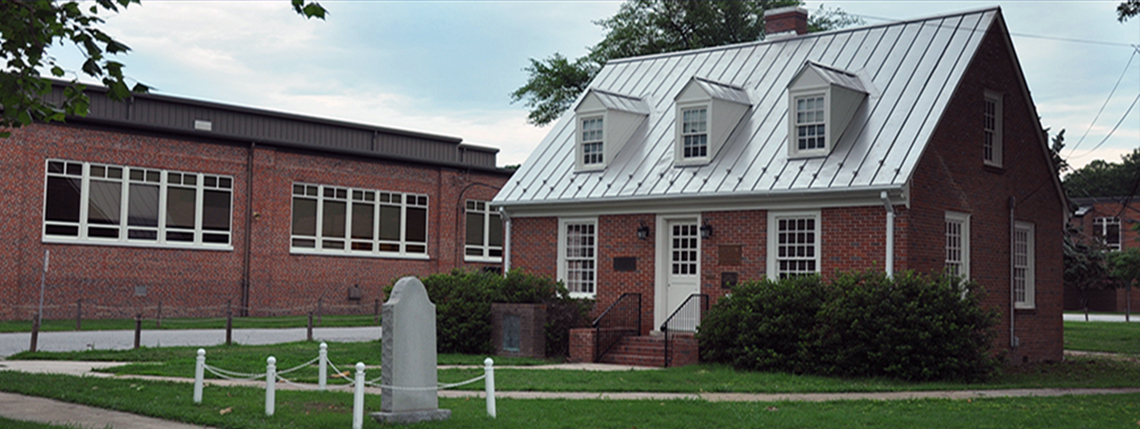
{"type": "Point", "coordinates": [910, 327]}
{"type": "Point", "coordinates": [463, 308]}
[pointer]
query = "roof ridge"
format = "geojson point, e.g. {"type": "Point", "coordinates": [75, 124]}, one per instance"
{"type": "Point", "coordinates": [798, 37]}
{"type": "Point", "coordinates": [615, 94]}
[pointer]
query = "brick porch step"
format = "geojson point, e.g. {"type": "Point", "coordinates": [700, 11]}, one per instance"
{"type": "Point", "coordinates": [649, 350]}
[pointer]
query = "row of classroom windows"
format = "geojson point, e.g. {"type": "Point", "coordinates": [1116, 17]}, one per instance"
{"type": "Point", "coordinates": [794, 249]}
{"type": "Point", "coordinates": [122, 205]}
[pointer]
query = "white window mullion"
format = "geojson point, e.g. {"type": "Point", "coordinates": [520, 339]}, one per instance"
{"type": "Point", "coordinates": [320, 217]}
{"type": "Point", "coordinates": [199, 196]}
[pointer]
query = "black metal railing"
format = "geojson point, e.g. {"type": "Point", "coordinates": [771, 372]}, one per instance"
{"type": "Point", "coordinates": [622, 318]}
{"type": "Point", "coordinates": [685, 318]}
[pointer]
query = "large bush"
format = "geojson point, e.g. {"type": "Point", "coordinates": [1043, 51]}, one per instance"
{"type": "Point", "coordinates": [463, 308]}
{"type": "Point", "coordinates": [910, 327]}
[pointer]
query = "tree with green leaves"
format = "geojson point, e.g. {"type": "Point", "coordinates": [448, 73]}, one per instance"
{"type": "Point", "coordinates": [1127, 9]}
{"type": "Point", "coordinates": [1105, 179]}
{"type": "Point", "coordinates": [1125, 266]}
{"type": "Point", "coordinates": [29, 28]}
{"type": "Point", "coordinates": [646, 27]}
{"type": "Point", "coordinates": [1059, 164]}
{"type": "Point", "coordinates": [1086, 266]}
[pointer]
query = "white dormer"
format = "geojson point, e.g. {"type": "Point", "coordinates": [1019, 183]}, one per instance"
{"type": "Point", "coordinates": [707, 112]}
{"type": "Point", "coordinates": [821, 102]}
{"type": "Point", "coordinates": [604, 123]}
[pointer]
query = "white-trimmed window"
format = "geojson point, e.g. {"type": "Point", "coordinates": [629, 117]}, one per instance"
{"type": "Point", "coordinates": [592, 141]}
{"type": "Point", "coordinates": [121, 205]}
{"type": "Point", "coordinates": [810, 126]}
{"type": "Point", "coordinates": [577, 256]}
{"type": "Point", "coordinates": [958, 244]}
{"type": "Point", "coordinates": [793, 244]}
{"type": "Point", "coordinates": [1108, 230]}
{"type": "Point", "coordinates": [694, 132]}
{"type": "Point", "coordinates": [484, 233]}
{"type": "Point", "coordinates": [1024, 266]}
{"type": "Point", "coordinates": [361, 222]}
{"type": "Point", "coordinates": [991, 128]}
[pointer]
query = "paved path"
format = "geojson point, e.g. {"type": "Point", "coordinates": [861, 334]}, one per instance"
{"type": "Point", "coordinates": [12, 343]}
{"type": "Point", "coordinates": [45, 410]}
{"type": "Point", "coordinates": [1080, 317]}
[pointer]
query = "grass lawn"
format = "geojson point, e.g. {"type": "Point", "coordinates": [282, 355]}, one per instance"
{"type": "Point", "coordinates": [239, 408]}
{"type": "Point", "coordinates": [179, 362]}
{"type": "Point", "coordinates": [1113, 337]}
{"type": "Point", "coordinates": [327, 321]}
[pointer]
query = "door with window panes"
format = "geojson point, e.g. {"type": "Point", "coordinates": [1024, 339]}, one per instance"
{"type": "Point", "coordinates": [682, 262]}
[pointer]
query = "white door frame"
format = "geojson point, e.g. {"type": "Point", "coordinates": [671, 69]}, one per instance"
{"type": "Point", "coordinates": [661, 262]}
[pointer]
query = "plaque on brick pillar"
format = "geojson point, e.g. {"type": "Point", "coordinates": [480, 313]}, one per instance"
{"type": "Point", "coordinates": [519, 329]}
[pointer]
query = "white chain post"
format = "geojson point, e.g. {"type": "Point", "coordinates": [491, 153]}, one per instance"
{"type": "Point", "coordinates": [199, 375]}
{"type": "Point", "coordinates": [358, 398]}
{"type": "Point", "coordinates": [489, 382]}
{"type": "Point", "coordinates": [322, 370]}
{"type": "Point", "coordinates": [270, 385]}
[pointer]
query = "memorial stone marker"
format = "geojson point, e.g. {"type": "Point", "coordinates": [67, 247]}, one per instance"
{"type": "Point", "coordinates": [408, 372]}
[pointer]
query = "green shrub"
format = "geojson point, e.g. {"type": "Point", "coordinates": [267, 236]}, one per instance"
{"type": "Point", "coordinates": [463, 308]}
{"type": "Point", "coordinates": [910, 327]}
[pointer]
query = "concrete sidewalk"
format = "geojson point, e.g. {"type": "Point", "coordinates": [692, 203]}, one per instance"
{"type": "Point", "coordinates": [49, 411]}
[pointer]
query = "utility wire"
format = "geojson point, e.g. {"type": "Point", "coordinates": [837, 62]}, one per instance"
{"type": "Point", "coordinates": [1034, 36]}
{"type": "Point", "coordinates": [1110, 132]}
{"type": "Point", "coordinates": [1122, 74]}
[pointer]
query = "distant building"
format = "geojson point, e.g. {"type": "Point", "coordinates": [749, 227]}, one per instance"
{"type": "Point", "coordinates": [905, 146]}
{"type": "Point", "coordinates": [1110, 220]}
{"type": "Point", "coordinates": [202, 206]}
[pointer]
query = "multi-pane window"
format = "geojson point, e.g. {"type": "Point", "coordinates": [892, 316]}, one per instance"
{"type": "Point", "coordinates": [683, 249]}
{"type": "Point", "coordinates": [810, 124]}
{"type": "Point", "coordinates": [484, 233]}
{"type": "Point", "coordinates": [592, 141]}
{"type": "Point", "coordinates": [694, 133]}
{"type": "Point", "coordinates": [1023, 265]}
{"type": "Point", "coordinates": [579, 261]}
{"type": "Point", "coordinates": [341, 220]}
{"type": "Point", "coordinates": [958, 244]}
{"type": "Point", "coordinates": [796, 245]}
{"type": "Point", "coordinates": [991, 129]}
{"type": "Point", "coordinates": [1108, 230]}
{"type": "Point", "coordinates": [87, 202]}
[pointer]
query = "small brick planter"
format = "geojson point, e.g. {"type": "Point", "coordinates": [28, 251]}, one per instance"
{"type": "Point", "coordinates": [519, 329]}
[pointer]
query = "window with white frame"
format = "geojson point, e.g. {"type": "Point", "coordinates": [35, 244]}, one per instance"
{"type": "Point", "coordinates": [592, 141]}
{"type": "Point", "coordinates": [1024, 265]}
{"type": "Point", "coordinates": [1107, 229]}
{"type": "Point", "coordinates": [484, 233]}
{"type": "Point", "coordinates": [811, 128]}
{"type": "Point", "coordinates": [694, 133]}
{"type": "Point", "coordinates": [86, 202]}
{"type": "Point", "coordinates": [991, 129]}
{"type": "Point", "coordinates": [958, 244]}
{"type": "Point", "coordinates": [793, 244]}
{"type": "Point", "coordinates": [364, 222]}
{"type": "Point", "coordinates": [577, 245]}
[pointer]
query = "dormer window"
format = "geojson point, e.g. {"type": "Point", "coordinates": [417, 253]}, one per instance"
{"type": "Point", "coordinates": [605, 121]}
{"type": "Point", "coordinates": [694, 132]}
{"type": "Point", "coordinates": [821, 103]}
{"type": "Point", "coordinates": [592, 141]}
{"type": "Point", "coordinates": [811, 128]}
{"type": "Point", "coordinates": [707, 113]}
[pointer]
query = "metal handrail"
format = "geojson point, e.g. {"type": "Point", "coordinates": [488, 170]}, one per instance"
{"type": "Point", "coordinates": [602, 346]}
{"type": "Point", "coordinates": [704, 307]}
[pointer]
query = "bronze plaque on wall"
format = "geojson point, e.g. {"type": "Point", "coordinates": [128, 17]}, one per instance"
{"type": "Point", "coordinates": [627, 263]}
{"type": "Point", "coordinates": [728, 254]}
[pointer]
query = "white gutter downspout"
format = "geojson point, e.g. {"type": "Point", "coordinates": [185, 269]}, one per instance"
{"type": "Point", "coordinates": [890, 261]}
{"type": "Point", "coordinates": [506, 241]}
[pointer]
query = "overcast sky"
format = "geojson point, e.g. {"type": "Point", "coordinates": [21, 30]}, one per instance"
{"type": "Point", "coordinates": [448, 67]}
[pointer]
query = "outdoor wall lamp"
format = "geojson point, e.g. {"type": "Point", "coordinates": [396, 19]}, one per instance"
{"type": "Point", "coordinates": [642, 232]}
{"type": "Point", "coordinates": [706, 230]}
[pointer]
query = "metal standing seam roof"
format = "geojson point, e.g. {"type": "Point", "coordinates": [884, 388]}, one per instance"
{"type": "Point", "coordinates": [911, 69]}
{"type": "Point", "coordinates": [620, 102]}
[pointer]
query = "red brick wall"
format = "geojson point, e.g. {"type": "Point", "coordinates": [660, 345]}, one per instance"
{"type": "Point", "coordinates": [534, 245]}
{"type": "Point", "coordinates": [105, 276]}
{"type": "Point", "coordinates": [1109, 300]}
{"type": "Point", "coordinates": [951, 176]}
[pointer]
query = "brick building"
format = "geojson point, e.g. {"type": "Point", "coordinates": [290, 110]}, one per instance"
{"type": "Point", "coordinates": [909, 146]}
{"type": "Point", "coordinates": [199, 206]}
{"type": "Point", "coordinates": [1111, 220]}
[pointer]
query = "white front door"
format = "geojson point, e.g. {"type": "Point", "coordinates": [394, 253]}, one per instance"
{"type": "Point", "coordinates": [681, 265]}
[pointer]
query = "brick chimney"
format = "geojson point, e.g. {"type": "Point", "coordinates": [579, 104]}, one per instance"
{"type": "Point", "coordinates": [785, 20]}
